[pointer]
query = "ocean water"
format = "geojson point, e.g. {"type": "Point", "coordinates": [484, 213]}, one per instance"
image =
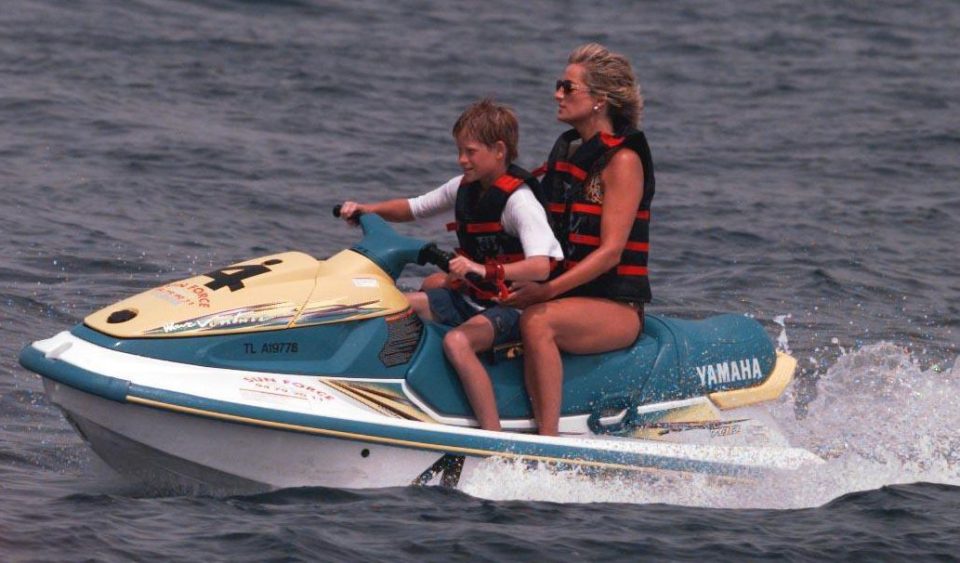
{"type": "Point", "coordinates": [807, 163]}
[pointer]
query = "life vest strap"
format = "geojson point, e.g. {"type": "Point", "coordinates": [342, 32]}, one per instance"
{"type": "Point", "coordinates": [631, 270]}
{"type": "Point", "coordinates": [500, 291]}
{"type": "Point", "coordinates": [570, 168]}
{"type": "Point", "coordinates": [611, 140]}
{"type": "Point", "coordinates": [589, 240]}
{"type": "Point", "coordinates": [587, 208]}
{"type": "Point", "coordinates": [556, 207]}
{"type": "Point", "coordinates": [507, 183]}
{"type": "Point", "coordinates": [622, 269]}
{"type": "Point", "coordinates": [477, 228]}
{"type": "Point", "coordinates": [491, 227]}
{"type": "Point", "coordinates": [595, 209]}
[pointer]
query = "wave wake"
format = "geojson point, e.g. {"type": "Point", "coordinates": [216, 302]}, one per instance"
{"type": "Point", "coordinates": [879, 419]}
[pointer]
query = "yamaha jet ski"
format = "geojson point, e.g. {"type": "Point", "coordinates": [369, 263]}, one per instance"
{"type": "Point", "coordinates": [288, 371]}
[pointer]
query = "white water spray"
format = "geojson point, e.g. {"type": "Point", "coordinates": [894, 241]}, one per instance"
{"type": "Point", "coordinates": [783, 343]}
{"type": "Point", "coordinates": [879, 419]}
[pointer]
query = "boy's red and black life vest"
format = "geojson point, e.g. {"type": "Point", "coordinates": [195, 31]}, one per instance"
{"type": "Point", "coordinates": [478, 215]}
{"type": "Point", "coordinates": [574, 209]}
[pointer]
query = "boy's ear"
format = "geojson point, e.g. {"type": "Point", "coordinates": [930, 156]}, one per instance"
{"type": "Point", "coordinates": [500, 149]}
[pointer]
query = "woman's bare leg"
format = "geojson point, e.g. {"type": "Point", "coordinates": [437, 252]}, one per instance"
{"type": "Point", "coordinates": [578, 325]}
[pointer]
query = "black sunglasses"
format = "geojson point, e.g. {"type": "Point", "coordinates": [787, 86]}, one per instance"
{"type": "Point", "coordinates": [568, 86]}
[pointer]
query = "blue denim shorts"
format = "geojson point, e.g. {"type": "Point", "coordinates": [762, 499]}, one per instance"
{"type": "Point", "coordinates": [449, 307]}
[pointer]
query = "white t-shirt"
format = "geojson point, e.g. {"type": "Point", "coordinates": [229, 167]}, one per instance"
{"type": "Point", "coordinates": [523, 216]}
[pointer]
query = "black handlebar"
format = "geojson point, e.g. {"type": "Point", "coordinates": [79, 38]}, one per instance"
{"type": "Point", "coordinates": [432, 254]}
{"type": "Point", "coordinates": [336, 210]}
{"type": "Point", "coordinates": [474, 278]}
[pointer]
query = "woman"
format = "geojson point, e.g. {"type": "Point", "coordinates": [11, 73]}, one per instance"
{"type": "Point", "coordinates": [599, 184]}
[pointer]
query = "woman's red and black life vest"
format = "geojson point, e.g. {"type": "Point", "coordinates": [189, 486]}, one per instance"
{"type": "Point", "coordinates": [478, 215]}
{"type": "Point", "coordinates": [574, 207]}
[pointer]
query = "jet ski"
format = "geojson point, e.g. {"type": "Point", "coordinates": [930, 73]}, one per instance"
{"type": "Point", "coordinates": [287, 371]}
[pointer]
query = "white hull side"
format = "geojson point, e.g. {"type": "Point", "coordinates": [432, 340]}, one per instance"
{"type": "Point", "coordinates": [170, 449]}
{"type": "Point", "coordinates": [167, 441]}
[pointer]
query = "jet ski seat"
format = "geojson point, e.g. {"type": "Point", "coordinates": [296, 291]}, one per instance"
{"type": "Point", "coordinates": [671, 361]}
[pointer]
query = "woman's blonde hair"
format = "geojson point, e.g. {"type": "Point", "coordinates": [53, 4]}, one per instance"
{"type": "Point", "coordinates": [610, 75]}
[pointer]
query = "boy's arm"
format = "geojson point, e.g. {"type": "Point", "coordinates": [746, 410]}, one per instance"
{"type": "Point", "coordinates": [401, 210]}
{"type": "Point", "coordinates": [533, 268]}
{"type": "Point", "coordinates": [436, 201]}
{"type": "Point", "coordinates": [397, 210]}
{"type": "Point", "coordinates": [525, 218]}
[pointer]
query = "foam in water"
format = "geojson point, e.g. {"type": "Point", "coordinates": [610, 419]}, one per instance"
{"type": "Point", "coordinates": [878, 419]}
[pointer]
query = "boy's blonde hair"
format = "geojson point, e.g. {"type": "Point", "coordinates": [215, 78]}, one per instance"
{"type": "Point", "coordinates": [488, 122]}
{"type": "Point", "coordinates": [610, 75]}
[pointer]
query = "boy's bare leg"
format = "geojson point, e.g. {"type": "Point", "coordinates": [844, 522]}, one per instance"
{"type": "Point", "coordinates": [434, 281]}
{"type": "Point", "coordinates": [420, 305]}
{"type": "Point", "coordinates": [461, 345]}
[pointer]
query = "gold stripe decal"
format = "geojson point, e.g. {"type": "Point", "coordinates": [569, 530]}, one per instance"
{"type": "Point", "coordinates": [377, 400]}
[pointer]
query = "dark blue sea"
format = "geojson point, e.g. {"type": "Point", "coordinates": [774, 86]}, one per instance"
{"type": "Point", "coordinates": [807, 157]}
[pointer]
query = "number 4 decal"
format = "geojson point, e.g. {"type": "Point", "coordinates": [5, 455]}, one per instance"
{"type": "Point", "coordinates": [233, 276]}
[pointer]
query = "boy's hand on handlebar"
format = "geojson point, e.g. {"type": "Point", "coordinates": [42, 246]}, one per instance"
{"type": "Point", "coordinates": [461, 266]}
{"type": "Point", "coordinates": [350, 211]}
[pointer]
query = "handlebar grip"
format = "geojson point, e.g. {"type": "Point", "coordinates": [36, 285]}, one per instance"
{"type": "Point", "coordinates": [336, 210]}
{"type": "Point", "coordinates": [431, 254]}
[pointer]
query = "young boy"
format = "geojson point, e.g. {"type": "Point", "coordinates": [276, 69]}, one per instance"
{"type": "Point", "coordinates": [504, 236]}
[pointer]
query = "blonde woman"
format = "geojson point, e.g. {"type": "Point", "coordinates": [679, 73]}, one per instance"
{"type": "Point", "coordinates": [599, 184]}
